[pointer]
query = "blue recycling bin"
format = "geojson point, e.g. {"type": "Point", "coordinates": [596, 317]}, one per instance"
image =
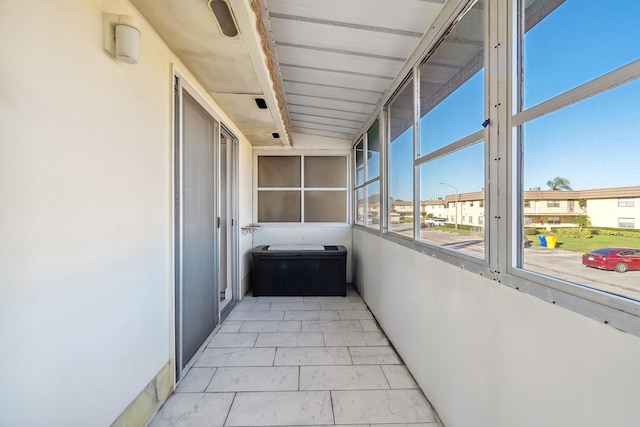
{"type": "Point", "coordinates": [543, 241]}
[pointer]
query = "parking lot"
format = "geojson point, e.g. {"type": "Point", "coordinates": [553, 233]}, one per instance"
{"type": "Point", "coordinates": [555, 262]}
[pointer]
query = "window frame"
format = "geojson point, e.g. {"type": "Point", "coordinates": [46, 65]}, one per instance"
{"type": "Point", "coordinates": [554, 220]}
{"type": "Point", "coordinates": [364, 138]}
{"type": "Point", "coordinates": [462, 259]}
{"type": "Point", "coordinates": [347, 154]}
{"type": "Point", "coordinates": [626, 202]}
{"type": "Point", "coordinates": [626, 220]}
{"type": "Point", "coordinates": [620, 312]}
{"type": "Point", "coordinates": [503, 214]}
{"type": "Point", "coordinates": [444, 22]}
{"type": "Point", "coordinates": [409, 79]}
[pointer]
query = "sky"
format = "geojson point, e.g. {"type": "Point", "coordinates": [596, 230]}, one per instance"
{"type": "Point", "coordinates": [593, 144]}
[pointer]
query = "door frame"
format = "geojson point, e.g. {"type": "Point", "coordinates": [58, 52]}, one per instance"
{"type": "Point", "coordinates": [180, 84]}
{"type": "Point", "coordinates": [233, 230]}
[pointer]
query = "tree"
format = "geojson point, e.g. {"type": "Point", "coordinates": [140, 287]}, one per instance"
{"type": "Point", "coordinates": [559, 183]}
{"type": "Point", "coordinates": [582, 221]}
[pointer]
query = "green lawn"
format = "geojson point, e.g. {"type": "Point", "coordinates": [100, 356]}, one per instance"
{"type": "Point", "coordinates": [587, 245]}
{"type": "Point", "coordinates": [452, 230]}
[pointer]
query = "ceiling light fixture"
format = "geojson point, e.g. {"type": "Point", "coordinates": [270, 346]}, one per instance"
{"type": "Point", "coordinates": [261, 103]}
{"type": "Point", "coordinates": [224, 17]}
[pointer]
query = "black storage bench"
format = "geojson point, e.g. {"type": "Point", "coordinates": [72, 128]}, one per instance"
{"type": "Point", "coordinates": [299, 270]}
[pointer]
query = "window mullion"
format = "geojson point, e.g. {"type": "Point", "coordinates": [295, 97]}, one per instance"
{"type": "Point", "coordinates": [499, 224]}
{"type": "Point", "coordinates": [365, 175]}
{"type": "Point", "coordinates": [416, 153]}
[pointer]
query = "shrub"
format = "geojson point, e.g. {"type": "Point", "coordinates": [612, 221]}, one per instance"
{"type": "Point", "coordinates": [617, 232]}
{"type": "Point", "coordinates": [530, 232]}
{"type": "Point", "coordinates": [575, 233]}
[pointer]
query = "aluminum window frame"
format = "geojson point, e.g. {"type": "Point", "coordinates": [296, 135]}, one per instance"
{"type": "Point", "coordinates": [627, 221]}
{"type": "Point", "coordinates": [408, 79]}
{"type": "Point", "coordinates": [503, 204]}
{"type": "Point", "coordinates": [346, 154]}
{"type": "Point", "coordinates": [626, 202]}
{"type": "Point", "coordinates": [620, 312]}
{"type": "Point", "coordinates": [479, 265]}
{"type": "Point", "coordinates": [364, 138]}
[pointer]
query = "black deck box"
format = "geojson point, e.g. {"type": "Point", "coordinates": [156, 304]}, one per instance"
{"type": "Point", "coordinates": [299, 270]}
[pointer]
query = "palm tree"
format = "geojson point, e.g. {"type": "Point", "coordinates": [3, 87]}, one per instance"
{"type": "Point", "coordinates": [559, 183]}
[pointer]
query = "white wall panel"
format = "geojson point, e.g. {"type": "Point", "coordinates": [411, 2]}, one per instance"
{"type": "Point", "coordinates": [338, 61]}
{"type": "Point", "coordinates": [86, 219]}
{"type": "Point", "coordinates": [408, 15]}
{"type": "Point", "coordinates": [488, 355]}
{"type": "Point", "coordinates": [310, 34]}
{"type": "Point", "coordinates": [337, 92]}
{"type": "Point", "coordinates": [331, 104]}
{"type": "Point", "coordinates": [355, 81]}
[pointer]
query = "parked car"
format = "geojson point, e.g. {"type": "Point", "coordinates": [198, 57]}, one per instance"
{"type": "Point", "coordinates": [434, 222]}
{"type": "Point", "coordinates": [618, 259]}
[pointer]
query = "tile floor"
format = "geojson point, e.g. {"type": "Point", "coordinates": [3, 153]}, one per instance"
{"type": "Point", "coordinates": [298, 361]}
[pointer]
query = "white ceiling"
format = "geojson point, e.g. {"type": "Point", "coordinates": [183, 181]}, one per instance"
{"type": "Point", "coordinates": [333, 58]}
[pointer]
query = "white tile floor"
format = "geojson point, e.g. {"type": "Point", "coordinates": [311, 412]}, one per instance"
{"type": "Point", "coordinates": [298, 361]}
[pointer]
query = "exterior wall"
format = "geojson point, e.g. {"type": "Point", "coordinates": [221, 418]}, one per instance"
{"type": "Point", "coordinates": [245, 185]}
{"type": "Point", "coordinates": [467, 210]}
{"type": "Point", "coordinates": [438, 211]}
{"type": "Point", "coordinates": [605, 212]}
{"type": "Point", "coordinates": [86, 219]}
{"type": "Point", "coordinates": [487, 355]}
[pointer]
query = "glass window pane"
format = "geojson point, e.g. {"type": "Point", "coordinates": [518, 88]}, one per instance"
{"type": "Point", "coordinates": [373, 151]}
{"type": "Point", "coordinates": [359, 206]}
{"type": "Point", "coordinates": [401, 163]}
{"type": "Point", "coordinates": [325, 206]}
{"type": "Point", "coordinates": [279, 171]}
{"type": "Point", "coordinates": [373, 204]}
{"type": "Point", "coordinates": [360, 163]}
{"type": "Point", "coordinates": [578, 163]}
{"type": "Point", "coordinates": [279, 206]}
{"type": "Point", "coordinates": [575, 41]}
{"type": "Point", "coordinates": [452, 85]}
{"type": "Point", "coordinates": [447, 186]}
{"type": "Point", "coordinates": [325, 171]}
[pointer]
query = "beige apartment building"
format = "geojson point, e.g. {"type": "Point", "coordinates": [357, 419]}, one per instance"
{"type": "Point", "coordinates": [605, 207]}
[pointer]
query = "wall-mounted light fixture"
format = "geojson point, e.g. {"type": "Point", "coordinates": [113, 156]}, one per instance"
{"type": "Point", "coordinates": [122, 37]}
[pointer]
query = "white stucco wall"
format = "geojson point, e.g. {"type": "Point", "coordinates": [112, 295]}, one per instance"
{"type": "Point", "coordinates": [86, 214]}
{"type": "Point", "coordinates": [605, 212]}
{"type": "Point", "coordinates": [305, 141]}
{"type": "Point", "coordinates": [488, 355]}
{"type": "Point", "coordinates": [245, 203]}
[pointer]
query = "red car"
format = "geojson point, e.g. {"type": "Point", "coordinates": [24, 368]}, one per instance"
{"type": "Point", "coordinates": [618, 259]}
